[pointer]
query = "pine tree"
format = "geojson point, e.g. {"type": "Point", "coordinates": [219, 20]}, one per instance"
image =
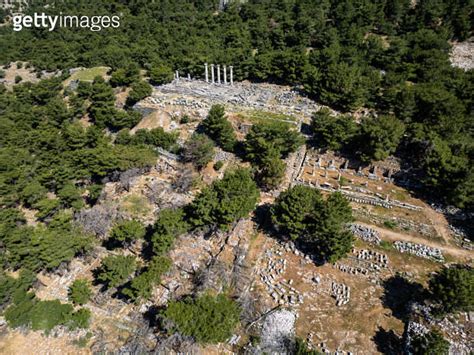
{"type": "Point", "coordinates": [453, 288]}
{"type": "Point", "coordinates": [209, 319]}
{"type": "Point", "coordinates": [199, 150]}
{"type": "Point", "coordinates": [219, 128]}
{"type": "Point", "coordinates": [80, 291]}
{"type": "Point", "coordinates": [115, 270]}
{"type": "Point", "coordinates": [432, 343]}
{"type": "Point", "coordinates": [225, 201]}
{"type": "Point", "coordinates": [140, 90]}
{"type": "Point", "coordinates": [126, 232]}
{"type": "Point", "coordinates": [292, 210]}
{"type": "Point", "coordinates": [271, 170]}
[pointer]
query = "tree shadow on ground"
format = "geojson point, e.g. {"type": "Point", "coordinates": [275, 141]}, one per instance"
{"type": "Point", "coordinates": [147, 252]}
{"type": "Point", "coordinates": [152, 316]}
{"type": "Point", "coordinates": [399, 293]}
{"type": "Point", "coordinates": [263, 219]}
{"type": "Point", "coordinates": [388, 342]}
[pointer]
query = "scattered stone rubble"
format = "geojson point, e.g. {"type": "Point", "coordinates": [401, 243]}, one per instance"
{"type": "Point", "coordinates": [462, 55]}
{"type": "Point", "coordinates": [351, 269]}
{"type": "Point", "coordinates": [341, 293]}
{"type": "Point", "coordinates": [278, 327]}
{"type": "Point", "coordinates": [456, 329]}
{"type": "Point", "coordinates": [199, 95]}
{"type": "Point", "coordinates": [377, 260]}
{"type": "Point", "coordinates": [414, 330]}
{"type": "Point", "coordinates": [281, 290]}
{"type": "Point", "coordinates": [420, 250]}
{"type": "Point", "coordinates": [365, 233]}
{"type": "Point", "coordinates": [369, 263]}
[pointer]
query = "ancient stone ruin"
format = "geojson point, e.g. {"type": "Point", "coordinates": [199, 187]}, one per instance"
{"type": "Point", "coordinates": [420, 250]}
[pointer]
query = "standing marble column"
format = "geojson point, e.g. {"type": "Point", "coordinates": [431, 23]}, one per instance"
{"type": "Point", "coordinates": [212, 73]}
{"type": "Point", "coordinates": [206, 72]}
{"type": "Point", "coordinates": [225, 74]}
{"type": "Point", "coordinates": [231, 75]}
{"type": "Point", "coordinates": [177, 75]}
{"type": "Point", "coordinates": [218, 73]}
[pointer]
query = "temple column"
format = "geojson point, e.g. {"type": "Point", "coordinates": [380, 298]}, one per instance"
{"type": "Point", "coordinates": [225, 75]}
{"type": "Point", "coordinates": [218, 73]}
{"type": "Point", "coordinates": [212, 73]}
{"type": "Point", "coordinates": [231, 75]}
{"type": "Point", "coordinates": [206, 72]}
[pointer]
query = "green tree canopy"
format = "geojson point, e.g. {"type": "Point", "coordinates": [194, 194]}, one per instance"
{"type": "Point", "coordinates": [170, 224]}
{"type": "Point", "coordinates": [302, 213]}
{"type": "Point", "coordinates": [116, 269]}
{"type": "Point", "coordinates": [142, 285]}
{"type": "Point", "coordinates": [341, 85]}
{"type": "Point", "coordinates": [32, 193]}
{"type": "Point", "coordinates": [217, 127]}
{"type": "Point", "coordinates": [209, 319]}
{"type": "Point", "coordinates": [161, 74]}
{"type": "Point", "coordinates": [80, 291]}
{"type": "Point", "coordinates": [432, 343]}
{"type": "Point", "coordinates": [380, 137]}
{"type": "Point", "coordinates": [453, 288]}
{"type": "Point", "coordinates": [140, 90]}
{"type": "Point", "coordinates": [154, 137]}
{"type": "Point", "coordinates": [330, 238]}
{"type": "Point", "coordinates": [199, 150]}
{"type": "Point", "coordinates": [271, 170]}
{"type": "Point", "coordinates": [127, 232]}
{"type": "Point", "coordinates": [271, 135]}
{"type": "Point", "coordinates": [225, 201]}
{"type": "Point", "coordinates": [293, 209]}
{"type": "Point", "coordinates": [70, 196]}
{"type": "Point", "coordinates": [40, 248]}
{"type": "Point", "coordinates": [332, 132]}
{"type": "Point", "coordinates": [125, 76]}
{"type": "Point", "coordinates": [28, 311]}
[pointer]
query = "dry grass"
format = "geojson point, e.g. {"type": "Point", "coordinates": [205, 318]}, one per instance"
{"type": "Point", "coordinates": [89, 74]}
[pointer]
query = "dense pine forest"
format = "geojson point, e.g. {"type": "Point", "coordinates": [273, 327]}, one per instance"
{"type": "Point", "coordinates": [388, 56]}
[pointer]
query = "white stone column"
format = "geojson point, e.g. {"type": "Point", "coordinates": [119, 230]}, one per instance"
{"type": "Point", "coordinates": [218, 73]}
{"type": "Point", "coordinates": [206, 72]}
{"type": "Point", "coordinates": [212, 73]}
{"type": "Point", "coordinates": [231, 75]}
{"type": "Point", "coordinates": [177, 75]}
{"type": "Point", "coordinates": [225, 74]}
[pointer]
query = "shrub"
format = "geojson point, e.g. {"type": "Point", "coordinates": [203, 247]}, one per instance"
{"type": "Point", "coordinates": [116, 269]}
{"type": "Point", "coordinates": [453, 288]}
{"type": "Point", "coordinates": [80, 292]}
{"type": "Point", "coordinates": [209, 319]}
{"type": "Point", "coordinates": [218, 165]}
{"type": "Point", "coordinates": [126, 232]}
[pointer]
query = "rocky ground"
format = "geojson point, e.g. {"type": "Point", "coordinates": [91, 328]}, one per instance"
{"type": "Point", "coordinates": [462, 54]}
{"type": "Point", "coordinates": [345, 307]}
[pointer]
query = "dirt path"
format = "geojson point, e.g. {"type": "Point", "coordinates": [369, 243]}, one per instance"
{"type": "Point", "coordinates": [439, 223]}
{"type": "Point", "coordinates": [393, 236]}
